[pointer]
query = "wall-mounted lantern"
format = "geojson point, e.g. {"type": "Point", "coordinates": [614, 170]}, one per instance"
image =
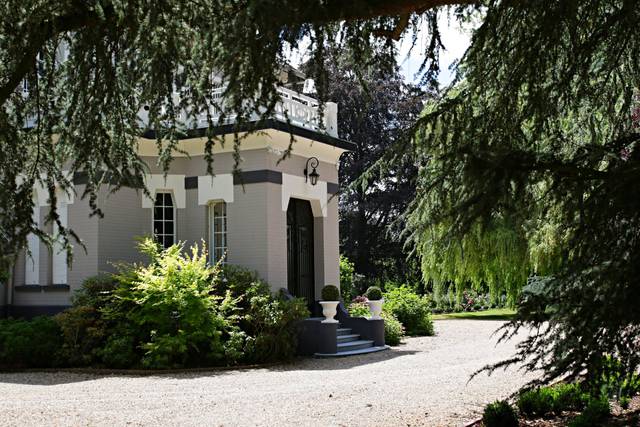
{"type": "Point", "coordinates": [313, 175]}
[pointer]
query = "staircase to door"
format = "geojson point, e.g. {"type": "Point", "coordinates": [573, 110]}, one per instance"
{"type": "Point", "coordinates": [350, 344]}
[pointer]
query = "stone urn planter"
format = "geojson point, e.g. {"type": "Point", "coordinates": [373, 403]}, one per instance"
{"type": "Point", "coordinates": [375, 300]}
{"type": "Point", "coordinates": [329, 303]}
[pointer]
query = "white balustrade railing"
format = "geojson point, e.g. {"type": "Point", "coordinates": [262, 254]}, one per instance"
{"type": "Point", "coordinates": [299, 109]}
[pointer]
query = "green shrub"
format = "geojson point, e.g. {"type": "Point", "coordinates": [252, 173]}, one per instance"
{"type": "Point", "coordinates": [411, 309]}
{"type": "Point", "coordinates": [568, 397]}
{"type": "Point", "coordinates": [95, 291]}
{"type": "Point", "coordinates": [594, 415]}
{"type": "Point", "coordinates": [83, 329]}
{"type": "Point", "coordinates": [240, 282]}
{"type": "Point", "coordinates": [330, 293]}
{"type": "Point", "coordinates": [270, 328]}
{"type": "Point", "coordinates": [536, 403]}
{"type": "Point", "coordinates": [393, 329]}
{"type": "Point", "coordinates": [32, 343]}
{"type": "Point", "coordinates": [172, 314]}
{"type": "Point", "coordinates": [624, 402]}
{"type": "Point", "coordinates": [347, 271]}
{"type": "Point", "coordinates": [544, 401]}
{"type": "Point", "coordinates": [373, 293]}
{"type": "Point", "coordinates": [120, 350]}
{"type": "Point", "coordinates": [84, 332]}
{"type": "Point", "coordinates": [610, 379]}
{"type": "Point", "coordinates": [499, 414]}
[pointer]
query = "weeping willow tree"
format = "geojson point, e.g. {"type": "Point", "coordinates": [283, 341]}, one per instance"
{"type": "Point", "coordinates": [494, 256]}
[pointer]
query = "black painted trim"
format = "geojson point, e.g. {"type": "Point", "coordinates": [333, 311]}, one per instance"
{"type": "Point", "coordinates": [258, 176]}
{"type": "Point", "coordinates": [262, 125]}
{"type": "Point", "coordinates": [30, 311]}
{"type": "Point", "coordinates": [332, 187]}
{"type": "Point", "coordinates": [190, 182]}
{"type": "Point", "coordinates": [56, 287]}
{"type": "Point", "coordinates": [28, 288]}
{"type": "Point", "coordinates": [39, 288]}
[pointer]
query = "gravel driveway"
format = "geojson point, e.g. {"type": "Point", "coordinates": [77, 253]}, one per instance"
{"type": "Point", "coordinates": [423, 382]}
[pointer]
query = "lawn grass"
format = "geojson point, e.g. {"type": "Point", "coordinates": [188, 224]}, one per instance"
{"type": "Point", "coordinates": [492, 314]}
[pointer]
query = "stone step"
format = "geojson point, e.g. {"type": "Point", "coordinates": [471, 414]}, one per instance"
{"type": "Point", "coordinates": [343, 331]}
{"type": "Point", "coordinates": [354, 345]}
{"type": "Point", "coordinates": [353, 352]}
{"type": "Point", "coordinates": [348, 338]}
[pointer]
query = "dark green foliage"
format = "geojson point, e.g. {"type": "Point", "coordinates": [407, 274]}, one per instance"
{"type": "Point", "coordinates": [268, 323]}
{"type": "Point", "coordinates": [84, 332]}
{"type": "Point", "coordinates": [393, 329]}
{"type": "Point", "coordinates": [374, 293]}
{"type": "Point", "coordinates": [499, 414]}
{"type": "Point", "coordinates": [376, 107]}
{"type": "Point", "coordinates": [568, 397]}
{"type": "Point", "coordinates": [347, 272]}
{"type": "Point", "coordinates": [29, 343]}
{"type": "Point", "coordinates": [624, 402]}
{"type": "Point", "coordinates": [411, 309]}
{"type": "Point", "coordinates": [595, 414]}
{"type": "Point", "coordinates": [540, 132]}
{"type": "Point", "coordinates": [270, 328]}
{"type": "Point", "coordinates": [545, 401]}
{"type": "Point", "coordinates": [178, 312]}
{"type": "Point", "coordinates": [536, 403]}
{"type": "Point", "coordinates": [330, 293]}
{"type": "Point", "coordinates": [83, 328]}
{"type": "Point", "coordinates": [169, 309]}
{"type": "Point", "coordinates": [609, 379]}
{"type": "Point", "coordinates": [240, 282]}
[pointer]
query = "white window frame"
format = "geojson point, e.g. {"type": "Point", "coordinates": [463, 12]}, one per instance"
{"type": "Point", "coordinates": [213, 248]}
{"type": "Point", "coordinates": [174, 235]}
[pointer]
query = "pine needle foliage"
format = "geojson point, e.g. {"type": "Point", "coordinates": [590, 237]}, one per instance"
{"type": "Point", "coordinates": [541, 128]}
{"type": "Point", "coordinates": [75, 75]}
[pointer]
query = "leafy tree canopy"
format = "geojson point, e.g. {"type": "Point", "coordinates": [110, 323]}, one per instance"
{"type": "Point", "coordinates": [375, 109]}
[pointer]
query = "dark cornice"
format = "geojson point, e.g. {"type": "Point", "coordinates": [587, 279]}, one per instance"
{"type": "Point", "coordinates": [254, 126]}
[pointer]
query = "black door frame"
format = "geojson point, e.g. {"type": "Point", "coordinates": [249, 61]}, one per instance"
{"type": "Point", "coordinates": [300, 250]}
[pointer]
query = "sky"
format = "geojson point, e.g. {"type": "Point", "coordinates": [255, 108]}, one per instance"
{"type": "Point", "coordinates": [455, 40]}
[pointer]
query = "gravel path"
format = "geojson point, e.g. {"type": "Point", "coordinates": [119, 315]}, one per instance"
{"type": "Point", "coordinates": [423, 382]}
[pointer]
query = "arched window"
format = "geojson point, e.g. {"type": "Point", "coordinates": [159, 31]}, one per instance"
{"type": "Point", "coordinates": [217, 232]}
{"type": "Point", "coordinates": [164, 228]}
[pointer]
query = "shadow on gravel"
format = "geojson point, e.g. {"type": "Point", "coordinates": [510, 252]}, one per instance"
{"type": "Point", "coordinates": [52, 377]}
{"type": "Point", "coordinates": [342, 363]}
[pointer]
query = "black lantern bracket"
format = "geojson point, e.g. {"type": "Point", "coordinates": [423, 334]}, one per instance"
{"type": "Point", "coordinates": [312, 175]}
